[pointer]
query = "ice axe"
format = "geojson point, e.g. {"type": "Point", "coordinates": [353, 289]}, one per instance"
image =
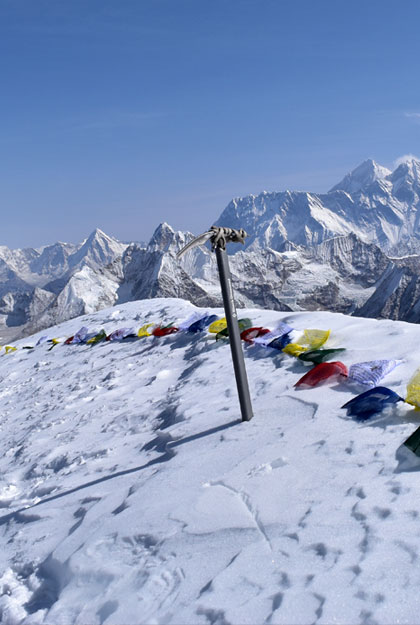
{"type": "Point", "coordinates": [218, 238]}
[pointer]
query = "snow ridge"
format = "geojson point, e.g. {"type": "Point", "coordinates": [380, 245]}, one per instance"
{"type": "Point", "coordinates": [126, 466]}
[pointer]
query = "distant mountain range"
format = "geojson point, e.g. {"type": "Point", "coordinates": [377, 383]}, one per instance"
{"type": "Point", "coordinates": [355, 249]}
{"type": "Point", "coordinates": [375, 204]}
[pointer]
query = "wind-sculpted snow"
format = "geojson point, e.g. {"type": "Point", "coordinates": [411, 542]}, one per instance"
{"type": "Point", "coordinates": [131, 492]}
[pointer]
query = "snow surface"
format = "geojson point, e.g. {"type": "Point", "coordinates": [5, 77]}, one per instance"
{"type": "Point", "coordinates": [132, 493]}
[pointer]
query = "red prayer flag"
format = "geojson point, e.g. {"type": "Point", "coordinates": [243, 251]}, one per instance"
{"type": "Point", "coordinates": [322, 372]}
{"type": "Point", "coordinates": [164, 331]}
{"type": "Point", "coordinates": [252, 333]}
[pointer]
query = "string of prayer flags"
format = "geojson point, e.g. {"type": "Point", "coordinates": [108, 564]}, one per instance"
{"type": "Point", "coordinates": [101, 336]}
{"type": "Point", "coordinates": [243, 324]}
{"type": "Point", "coordinates": [309, 348]}
{"type": "Point", "coordinates": [201, 324]}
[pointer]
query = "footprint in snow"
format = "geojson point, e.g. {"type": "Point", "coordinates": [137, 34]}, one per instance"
{"type": "Point", "coordinates": [267, 467]}
{"type": "Point", "coordinates": [382, 513]}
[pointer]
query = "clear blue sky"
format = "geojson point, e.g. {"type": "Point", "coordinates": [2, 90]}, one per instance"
{"type": "Point", "coordinates": [125, 113]}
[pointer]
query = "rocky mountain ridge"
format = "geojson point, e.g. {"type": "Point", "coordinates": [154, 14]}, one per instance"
{"type": "Point", "coordinates": [382, 208]}
{"type": "Point", "coordinates": [352, 250]}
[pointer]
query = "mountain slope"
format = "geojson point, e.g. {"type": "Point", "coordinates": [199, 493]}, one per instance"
{"type": "Point", "coordinates": [305, 251]}
{"type": "Point", "coordinates": [378, 206]}
{"type": "Point", "coordinates": [362, 176]}
{"type": "Point", "coordinates": [41, 287]}
{"type": "Point", "coordinates": [155, 271]}
{"type": "Point", "coordinates": [131, 493]}
{"type": "Point", "coordinates": [98, 250]}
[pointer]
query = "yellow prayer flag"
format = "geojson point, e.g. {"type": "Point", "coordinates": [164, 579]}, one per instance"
{"type": "Point", "coordinates": [413, 390]}
{"type": "Point", "coordinates": [144, 330]}
{"type": "Point", "coordinates": [316, 338]}
{"type": "Point", "coordinates": [218, 326]}
{"type": "Point", "coordinates": [294, 349]}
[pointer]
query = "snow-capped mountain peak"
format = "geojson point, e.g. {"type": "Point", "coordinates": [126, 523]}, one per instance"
{"type": "Point", "coordinates": [405, 181]}
{"type": "Point", "coordinates": [378, 205]}
{"type": "Point", "coordinates": [98, 249]}
{"type": "Point", "coordinates": [362, 176]}
{"type": "Point", "coordinates": [409, 170]}
{"type": "Point", "coordinates": [162, 237]}
{"type": "Point", "coordinates": [98, 238]}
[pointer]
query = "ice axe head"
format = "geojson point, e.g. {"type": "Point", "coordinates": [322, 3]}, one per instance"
{"type": "Point", "coordinates": [218, 237]}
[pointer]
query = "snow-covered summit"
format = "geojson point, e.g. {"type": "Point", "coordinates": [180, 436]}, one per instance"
{"type": "Point", "coordinates": [130, 492]}
{"type": "Point", "coordinates": [408, 168]}
{"type": "Point", "coordinates": [377, 205]}
{"type": "Point", "coordinates": [38, 287]}
{"type": "Point", "coordinates": [406, 181]}
{"type": "Point", "coordinates": [98, 249]}
{"type": "Point", "coordinates": [362, 176]}
{"type": "Point", "coordinates": [38, 266]}
{"type": "Point", "coordinates": [165, 238]}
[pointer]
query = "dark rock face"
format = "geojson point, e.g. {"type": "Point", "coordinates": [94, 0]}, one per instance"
{"type": "Point", "coordinates": [396, 297]}
{"type": "Point", "coordinates": [155, 273]}
{"type": "Point", "coordinates": [363, 263]}
{"type": "Point", "coordinates": [327, 298]}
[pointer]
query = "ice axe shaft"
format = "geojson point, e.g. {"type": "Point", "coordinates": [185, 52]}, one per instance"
{"type": "Point", "coordinates": [234, 334]}
{"type": "Point", "coordinates": [218, 237]}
